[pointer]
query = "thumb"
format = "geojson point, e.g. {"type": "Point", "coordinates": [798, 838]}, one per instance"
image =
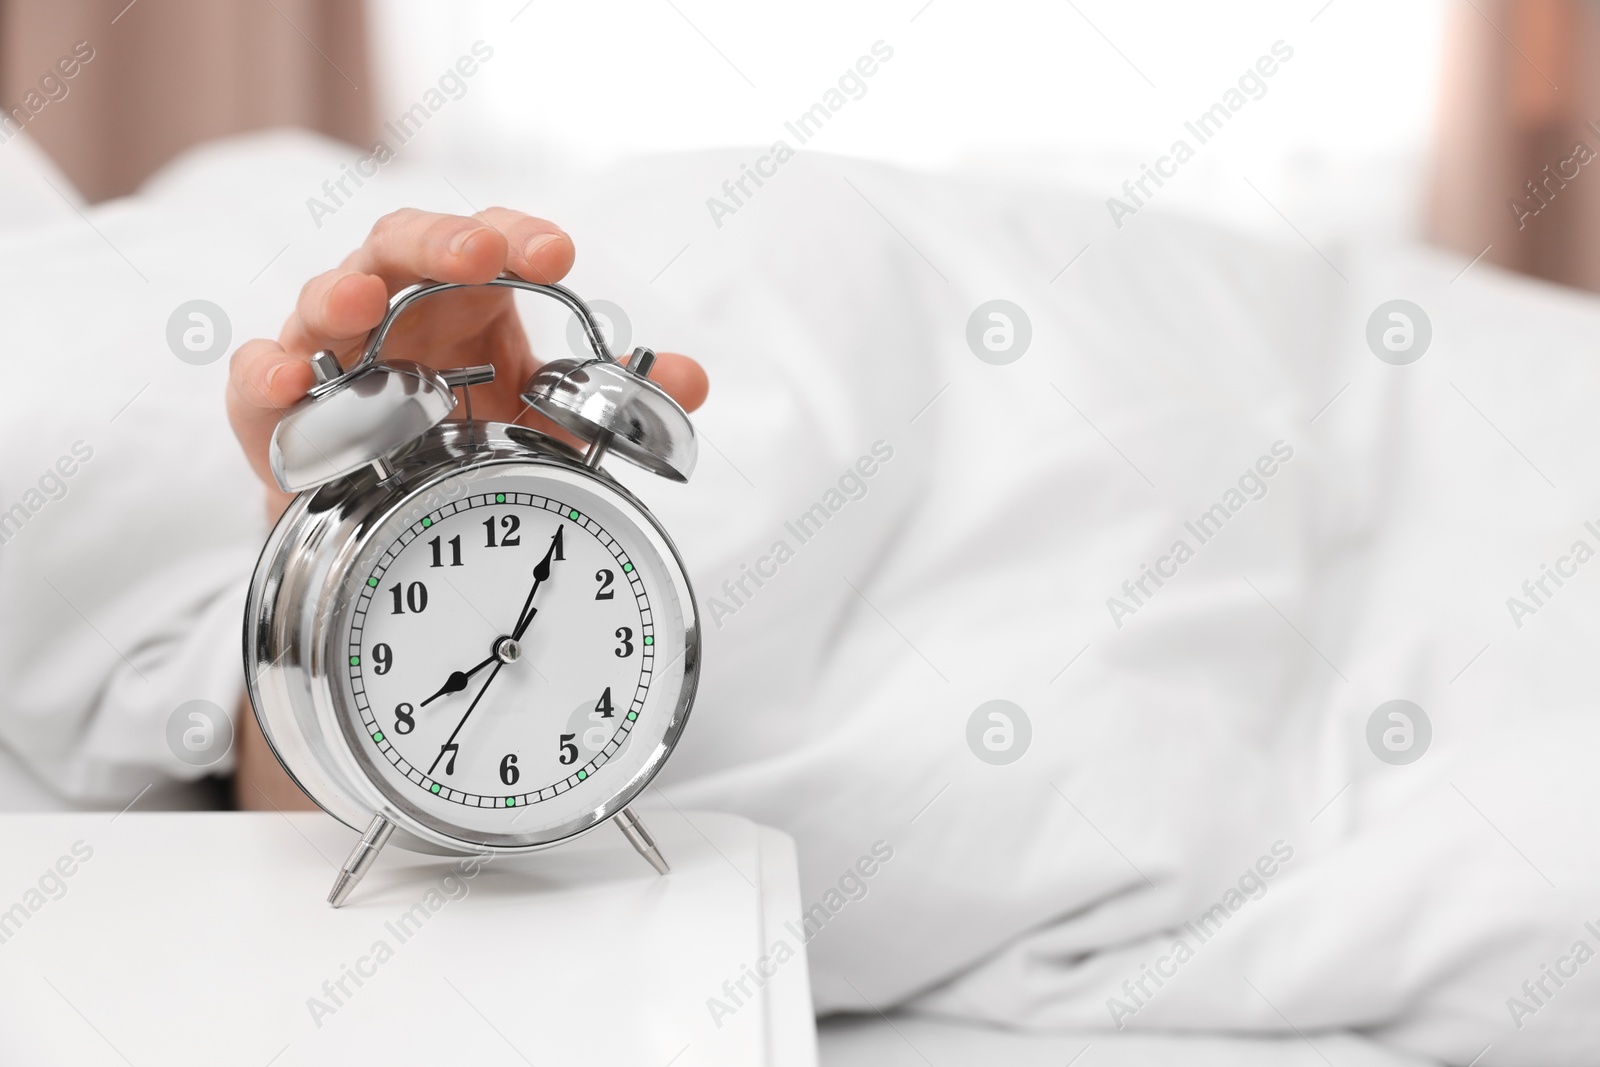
{"type": "Point", "coordinates": [263, 382]}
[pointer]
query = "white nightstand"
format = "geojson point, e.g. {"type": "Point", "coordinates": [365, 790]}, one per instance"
{"type": "Point", "coordinates": [204, 939]}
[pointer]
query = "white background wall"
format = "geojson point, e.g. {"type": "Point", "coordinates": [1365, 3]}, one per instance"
{"type": "Point", "coordinates": [1338, 144]}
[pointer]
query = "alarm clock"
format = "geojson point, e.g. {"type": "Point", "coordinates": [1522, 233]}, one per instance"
{"type": "Point", "coordinates": [466, 637]}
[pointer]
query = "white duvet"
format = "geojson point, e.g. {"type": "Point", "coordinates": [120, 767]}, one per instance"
{"type": "Point", "coordinates": [1198, 772]}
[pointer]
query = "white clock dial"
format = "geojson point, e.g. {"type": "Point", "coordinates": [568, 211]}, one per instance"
{"type": "Point", "coordinates": [515, 650]}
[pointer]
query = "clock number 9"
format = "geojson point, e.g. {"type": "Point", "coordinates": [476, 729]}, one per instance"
{"type": "Point", "coordinates": [624, 635]}
{"type": "Point", "coordinates": [569, 751]}
{"type": "Point", "coordinates": [403, 722]}
{"type": "Point", "coordinates": [383, 658]}
{"type": "Point", "coordinates": [508, 770]}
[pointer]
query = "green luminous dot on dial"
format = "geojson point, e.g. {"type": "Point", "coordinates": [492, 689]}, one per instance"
{"type": "Point", "coordinates": [573, 514]}
{"type": "Point", "coordinates": [373, 582]}
{"type": "Point", "coordinates": [511, 802]}
{"type": "Point", "coordinates": [499, 498]}
{"type": "Point", "coordinates": [426, 523]}
{"type": "Point", "coordinates": [355, 661]}
{"type": "Point", "coordinates": [582, 775]}
{"type": "Point", "coordinates": [632, 715]}
{"type": "Point", "coordinates": [627, 568]}
{"type": "Point", "coordinates": [378, 737]}
{"type": "Point", "coordinates": [434, 787]}
{"type": "Point", "coordinates": [649, 640]}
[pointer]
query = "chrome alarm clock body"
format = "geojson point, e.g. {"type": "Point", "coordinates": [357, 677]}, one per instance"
{"type": "Point", "coordinates": [300, 606]}
{"type": "Point", "coordinates": [467, 637]}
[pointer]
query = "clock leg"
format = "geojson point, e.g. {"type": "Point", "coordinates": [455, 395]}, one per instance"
{"type": "Point", "coordinates": [641, 840]}
{"type": "Point", "coordinates": [361, 859]}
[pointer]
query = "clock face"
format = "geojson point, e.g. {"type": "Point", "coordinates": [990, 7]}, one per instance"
{"type": "Point", "coordinates": [516, 651]}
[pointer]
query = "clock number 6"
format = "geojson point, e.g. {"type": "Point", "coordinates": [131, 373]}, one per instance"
{"type": "Point", "coordinates": [508, 770]}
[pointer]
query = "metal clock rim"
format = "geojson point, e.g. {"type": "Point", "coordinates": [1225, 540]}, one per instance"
{"type": "Point", "coordinates": [330, 649]}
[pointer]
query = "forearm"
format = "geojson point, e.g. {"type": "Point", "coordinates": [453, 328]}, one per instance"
{"type": "Point", "coordinates": [260, 783]}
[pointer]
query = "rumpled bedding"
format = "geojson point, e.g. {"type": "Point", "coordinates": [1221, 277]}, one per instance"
{"type": "Point", "coordinates": [1198, 772]}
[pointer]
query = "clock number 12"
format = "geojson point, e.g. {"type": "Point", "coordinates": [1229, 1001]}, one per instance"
{"type": "Point", "coordinates": [509, 524]}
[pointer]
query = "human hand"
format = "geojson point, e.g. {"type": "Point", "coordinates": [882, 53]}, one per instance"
{"type": "Point", "coordinates": [336, 310]}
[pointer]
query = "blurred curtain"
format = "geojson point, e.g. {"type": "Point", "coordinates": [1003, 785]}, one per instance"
{"type": "Point", "coordinates": [1517, 154]}
{"type": "Point", "coordinates": [168, 74]}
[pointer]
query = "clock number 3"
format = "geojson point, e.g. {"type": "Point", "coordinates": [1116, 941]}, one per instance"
{"type": "Point", "coordinates": [624, 635]}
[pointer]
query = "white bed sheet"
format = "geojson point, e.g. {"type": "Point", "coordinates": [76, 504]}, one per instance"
{"type": "Point", "coordinates": [1168, 754]}
{"type": "Point", "coordinates": [909, 1041]}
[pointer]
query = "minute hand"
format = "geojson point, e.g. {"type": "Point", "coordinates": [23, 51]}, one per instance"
{"type": "Point", "coordinates": [450, 741]}
{"type": "Point", "coordinates": [541, 574]}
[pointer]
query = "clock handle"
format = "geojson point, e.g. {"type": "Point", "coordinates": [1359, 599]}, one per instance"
{"type": "Point", "coordinates": [612, 406]}
{"type": "Point", "coordinates": [412, 293]}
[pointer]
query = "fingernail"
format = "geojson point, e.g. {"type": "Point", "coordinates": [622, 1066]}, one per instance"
{"type": "Point", "coordinates": [542, 241]}
{"type": "Point", "coordinates": [272, 376]}
{"type": "Point", "coordinates": [459, 245]}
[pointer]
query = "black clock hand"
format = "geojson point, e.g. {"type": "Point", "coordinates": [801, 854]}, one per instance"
{"type": "Point", "coordinates": [523, 625]}
{"type": "Point", "coordinates": [449, 743]}
{"type": "Point", "coordinates": [458, 680]}
{"type": "Point", "coordinates": [541, 574]}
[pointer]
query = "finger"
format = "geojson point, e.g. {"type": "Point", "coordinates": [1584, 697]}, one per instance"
{"type": "Point", "coordinates": [683, 378]}
{"type": "Point", "coordinates": [263, 376]}
{"type": "Point", "coordinates": [263, 380]}
{"type": "Point", "coordinates": [336, 310]}
{"type": "Point", "coordinates": [537, 250]}
{"type": "Point", "coordinates": [409, 246]}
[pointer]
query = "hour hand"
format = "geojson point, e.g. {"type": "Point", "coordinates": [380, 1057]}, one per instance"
{"type": "Point", "coordinates": [457, 681]}
{"type": "Point", "coordinates": [541, 574]}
